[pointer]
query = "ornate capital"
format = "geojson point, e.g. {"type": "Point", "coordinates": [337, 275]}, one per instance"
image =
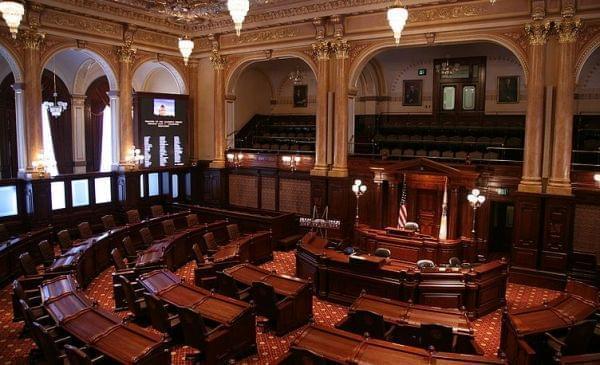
{"type": "Point", "coordinates": [537, 32]}
{"type": "Point", "coordinates": [218, 61]}
{"type": "Point", "coordinates": [126, 53]}
{"type": "Point", "coordinates": [32, 39]}
{"type": "Point", "coordinates": [321, 50]}
{"type": "Point", "coordinates": [568, 29]}
{"type": "Point", "coordinates": [341, 48]}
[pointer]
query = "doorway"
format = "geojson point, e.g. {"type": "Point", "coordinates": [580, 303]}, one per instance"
{"type": "Point", "coordinates": [501, 229]}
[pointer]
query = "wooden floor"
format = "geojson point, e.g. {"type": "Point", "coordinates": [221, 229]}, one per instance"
{"type": "Point", "coordinates": [14, 350]}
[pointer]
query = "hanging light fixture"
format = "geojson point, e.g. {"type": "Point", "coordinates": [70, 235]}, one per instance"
{"type": "Point", "coordinates": [238, 10]}
{"type": "Point", "coordinates": [397, 16]}
{"type": "Point", "coordinates": [296, 76]}
{"type": "Point", "coordinates": [446, 69]}
{"type": "Point", "coordinates": [186, 46]}
{"type": "Point", "coordinates": [55, 107]}
{"type": "Point", "coordinates": [12, 12]}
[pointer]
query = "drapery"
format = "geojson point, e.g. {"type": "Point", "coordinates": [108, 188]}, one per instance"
{"type": "Point", "coordinates": [60, 127]}
{"type": "Point", "coordinates": [96, 102]}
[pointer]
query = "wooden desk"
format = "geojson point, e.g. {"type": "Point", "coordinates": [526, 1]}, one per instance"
{"type": "Point", "coordinates": [341, 347]}
{"type": "Point", "coordinates": [98, 329]}
{"type": "Point", "coordinates": [235, 315]}
{"type": "Point", "coordinates": [298, 291]}
{"type": "Point", "coordinates": [11, 249]}
{"type": "Point", "coordinates": [523, 330]}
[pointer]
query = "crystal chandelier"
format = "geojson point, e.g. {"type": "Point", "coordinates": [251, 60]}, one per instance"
{"type": "Point", "coordinates": [446, 69]}
{"type": "Point", "coordinates": [55, 107]}
{"type": "Point", "coordinates": [12, 12]}
{"type": "Point", "coordinates": [397, 17]}
{"type": "Point", "coordinates": [238, 10]}
{"type": "Point", "coordinates": [296, 76]}
{"type": "Point", "coordinates": [186, 46]}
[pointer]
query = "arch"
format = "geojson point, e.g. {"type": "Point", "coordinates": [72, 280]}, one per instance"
{"type": "Point", "coordinates": [238, 67]}
{"type": "Point", "coordinates": [149, 66]}
{"type": "Point", "coordinates": [94, 53]}
{"type": "Point", "coordinates": [372, 80]}
{"type": "Point", "coordinates": [9, 54]}
{"type": "Point", "coordinates": [369, 52]}
{"type": "Point", "coordinates": [587, 51]}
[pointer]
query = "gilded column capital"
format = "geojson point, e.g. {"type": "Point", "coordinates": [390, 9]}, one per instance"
{"type": "Point", "coordinates": [126, 54]}
{"type": "Point", "coordinates": [321, 50]}
{"type": "Point", "coordinates": [341, 47]}
{"type": "Point", "coordinates": [32, 39]}
{"type": "Point", "coordinates": [537, 32]}
{"type": "Point", "coordinates": [568, 29]}
{"type": "Point", "coordinates": [218, 61]}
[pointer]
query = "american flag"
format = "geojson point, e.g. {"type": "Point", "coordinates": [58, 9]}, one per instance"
{"type": "Point", "coordinates": [403, 214]}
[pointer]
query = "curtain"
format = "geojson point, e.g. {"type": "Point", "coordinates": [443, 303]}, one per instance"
{"type": "Point", "coordinates": [60, 128]}
{"type": "Point", "coordinates": [96, 102]}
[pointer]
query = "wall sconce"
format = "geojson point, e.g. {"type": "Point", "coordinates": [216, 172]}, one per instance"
{"type": "Point", "coordinates": [358, 189]}
{"type": "Point", "coordinates": [135, 157]}
{"type": "Point", "coordinates": [292, 162]}
{"type": "Point", "coordinates": [235, 159]}
{"type": "Point", "coordinates": [41, 165]}
{"type": "Point", "coordinates": [475, 199]}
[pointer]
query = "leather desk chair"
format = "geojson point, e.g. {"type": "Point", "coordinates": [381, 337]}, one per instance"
{"type": "Point", "coordinates": [157, 211]}
{"type": "Point", "coordinates": [168, 227]}
{"type": "Point", "coordinates": [228, 286]}
{"type": "Point", "coordinates": [204, 273]}
{"type": "Point", "coordinates": [575, 341]}
{"type": "Point", "coordinates": [438, 337]}
{"type": "Point", "coordinates": [133, 216]}
{"type": "Point", "coordinates": [365, 322]}
{"type": "Point", "coordinates": [211, 243]}
{"type": "Point", "coordinates": [35, 314]}
{"type": "Point", "coordinates": [207, 337]}
{"type": "Point", "coordinates": [85, 230]}
{"type": "Point", "coordinates": [47, 253]}
{"type": "Point", "coordinates": [108, 221]}
{"type": "Point", "coordinates": [233, 231]}
{"type": "Point", "coordinates": [146, 236]}
{"type": "Point", "coordinates": [160, 317]}
{"type": "Point", "coordinates": [192, 220]}
{"type": "Point", "coordinates": [77, 356]}
{"type": "Point", "coordinates": [268, 303]}
{"type": "Point", "coordinates": [135, 302]}
{"type": "Point", "coordinates": [129, 248]}
{"type": "Point", "coordinates": [28, 267]}
{"type": "Point", "coordinates": [119, 263]}
{"type": "Point", "coordinates": [49, 344]}
{"type": "Point", "coordinates": [64, 240]}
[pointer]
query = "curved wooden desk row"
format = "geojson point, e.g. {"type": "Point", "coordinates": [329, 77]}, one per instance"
{"type": "Point", "coordinates": [319, 343]}
{"type": "Point", "coordinates": [523, 331]}
{"type": "Point", "coordinates": [235, 316]}
{"type": "Point", "coordinates": [11, 249]}
{"type": "Point", "coordinates": [106, 333]}
{"type": "Point", "coordinates": [342, 278]}
{"type": "Point", "coordinates": [411, 247]}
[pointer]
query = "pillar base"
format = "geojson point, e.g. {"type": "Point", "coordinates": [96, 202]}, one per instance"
{"type": "Point", "coordinates": [217, 164]}
{"type": "Point", "coordinates": [559, 188]}
{"type": "Point", "coordinates": [338, 172]}
{"type": "Point", "coordinates": [530, 185]}
{"type": "Point", "coordinates": [319, 171]}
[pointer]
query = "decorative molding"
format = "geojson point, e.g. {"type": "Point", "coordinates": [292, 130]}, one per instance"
{"type": "Point", "coordinates": [537, 32]}
{"type": "Point", "coordinates": [32, 39]}
{"type": "Point", "coordinates": [341, 47]}
{"type": "Point", "coordinates": [87, 25]}
{"type": "Point", "coordinates": [448, 12]}
{"type": "Point", "coordinates": [568, 29]}
{"type": "Point", "coordinates": [265, 36]}
{"type": "Point", "coordinates": [321, 50]}
{"type": "Point", "coordinates": [218, 61]}
{"type": "Point", "coordinates": [125, 54]}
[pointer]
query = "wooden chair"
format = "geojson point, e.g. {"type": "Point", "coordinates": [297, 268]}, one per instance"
{"type": "Point", "coordinates": [118, 261]}
{"type": "Point", "coordinates": [64, 240]}
{"type": "Point", "coordinates": [160, 318]}
{"type": "Point", "coordinates": [49, 344]}
{"type": "Point", "coordinates": [211, 243]}
{"type": "Point", "coordinates": [130, 250]}
{"type": "Point", "coordinates": [47, 252]}
{"type": "Point", "coordinates": [85, 230]}
{"type": "Point", "coordinates": [209, 338]}
{"type": "Point", "coordinates": [157, 211]}
{"type": "Point", "coordinates": [192, 220]}
{"type": "Point", "coordinates": [168, 227]}
{"type": "Point", "coordinates": [31, 297]}
{"type": "Point", "coordinates": [365, 322]}
{"type": "Point", "coordinates": [227, 286]}
{"type": "Point", "coordinates": [108, 221]}
{"type": "Point", "coordinates": [133, 216]}
{"type": "Point", "coordinates": [233, 231]}
{"type": "Point", "coordinates": [204, 273]}
{"type": "Point", "coordinates": [27, 265]}
{"type": "Point", "coordinates": [136, 304]}
{"type": "Point", "coordinates": [268, 303]}
{"type": "Point", "coordinates": [3, 233]}
{"type": "Point", "coordinates": [438, 337]}
{"type": "Point", "coordinates": [77, 356]}
{"type": "Point", "coordinates": [575, 341]}
{"type": "Point", "coordinates": [146, 236]}
{"type": "Point", "coordinates": [35, 314]}
{"type": "Point", "coordinates": [198, 255]}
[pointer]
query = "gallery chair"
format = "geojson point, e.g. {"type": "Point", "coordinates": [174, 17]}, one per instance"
{"type": "Point", "coordinates": [168, 227]}
{"type": "Point", "coordinates": [157, 211]}
{"type": "Point", "coordinates": [160, 318]}
{"type": "Point", "coordinates": [85, 230]}
{"type": "Point", "coordinates": [108, 221]}
{"type": "Point", "coordinates": [77, 356]}
{"type": "Point", "coordinates": [133, 216]}
{"type": "Point", "coordinates": [209, 338]}
{"type": "Point", "coordinates": [233, 231]}
{"type": "Point", "coordinates": [439, 337]}
{"type": "Point", "coordinates": [47, 252]}
{"type": "Point", "coordinates": [574, 341]}
{"type": "Point", "coordinates": [192, 220]}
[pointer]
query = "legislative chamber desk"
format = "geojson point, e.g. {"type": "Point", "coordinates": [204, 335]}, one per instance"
{"type": "Point", "coordinates": [523, 331]}
{"type": "Point", "coordinates": [11, 249]}
{"type": "Point", "coordinates": [236, 316]}
{"type": "Point", "coordinates": [341, 347]}
{"type": "Point", "coordinates": [120, 342]}
{"type": "Point", "coordinates": [297, 291]}
{"type": "Point", "coordinates": [342, 278]}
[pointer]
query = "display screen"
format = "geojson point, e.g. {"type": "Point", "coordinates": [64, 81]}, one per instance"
{"type": "Point", "coordinates": [162, 122]}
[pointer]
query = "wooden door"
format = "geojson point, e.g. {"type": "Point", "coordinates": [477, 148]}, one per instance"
{"type": "Point", "coordinates": [428, 211]}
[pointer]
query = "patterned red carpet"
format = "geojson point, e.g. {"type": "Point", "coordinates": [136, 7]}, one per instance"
{"type": "Point", "coordinates": [14, 350]}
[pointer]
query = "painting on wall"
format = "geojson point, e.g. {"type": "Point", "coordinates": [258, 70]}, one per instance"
{"type": "Point", "coordinates": [413, 91]}
{"type": "Point", "coordinates": [508, 89]}
{"type": "Point", "coordinates": [300, 96]}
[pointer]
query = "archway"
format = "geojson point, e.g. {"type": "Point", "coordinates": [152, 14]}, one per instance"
{"type": "Point", "coordinates": [158, 77]}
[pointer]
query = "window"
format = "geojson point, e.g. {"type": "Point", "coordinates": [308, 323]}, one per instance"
{"type": "Point", "coordinates": [448, 97]}
{"type": "Point", "coordinates": [468, 97]}
{"type": "Point", "coordinates": [102, 190]}
{"type": "Point", "coordinates": [80, 192]}
{"type": "Point", "coordinates": [48, 152]}
{"type": "Point", "coordinates": [8, 197]}
{"type": "Point", "coordinates": [106, 150]}
{"type": "Point", "coordinates": [57, 192]}
{"type": "Point", "coordinates": [153, 184]}
{"type": "Point", "coordinates": [175, 183]}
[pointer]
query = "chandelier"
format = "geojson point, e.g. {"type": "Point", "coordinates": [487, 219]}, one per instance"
{"type": "Point", "coordinates": [12, 12]}
{"type": "Point", "coordinates": [397, 17]}
{"type": "Point", "coordinates": [186, 46]}
{"type": "Point", "coordinates": [55, 107]}
{"type": "Point", "coordinates": [446, 69]}
{"type": "Point", "coordinates": [296, 76]}
{"type": "Point", "coordinates": [238, 10]}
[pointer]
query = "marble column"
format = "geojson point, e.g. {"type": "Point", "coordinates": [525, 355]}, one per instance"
{"type": "Point", "coordinates": [126, 56]}
{"type": "Point", "coordinates": [19, 89]}
{"type": "Point", "coordinates": [192, 142]}
{"type": "Point", "coordinates": [321, 50]}
{"type": "Point", "coordinates": [560, 172]}
{"type": "Point", "coordinates": [531, 180]}
{"type": "Point", "coordinates": [340, 152]}
{"type": "Point", "coordinates": [218, 62]}
{"type": "Point", "coordinates": [78, 132]}
{"type": "Point", "coordinates": [32, 40]}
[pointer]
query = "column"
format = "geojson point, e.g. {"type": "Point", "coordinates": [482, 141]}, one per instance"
{"type": "Point", "coordinates": [531, 181]}
{"type": "Point", "coordinates": [20, 120]}
{"type": "Point", "coordinates": [218, 62]}
{"type": "Point", "coordinates": [78, 132]}
{"type": "Point", "coordinates": [195, 112]}
{"type": "Point", "coordinates": [126, 56]}
{"type": "Point", "coordinates": [321, 50]}
{"type": "Point", "coordinates": [560, 172]}
{"type": "Point", "coordinates": [230, 121]}
{"type": "Point", "coordinates": [340, 152]}
{"type": "Point", "coordinates": [32, 41]}
{"type": "Point", "coordinates": [113, 97]}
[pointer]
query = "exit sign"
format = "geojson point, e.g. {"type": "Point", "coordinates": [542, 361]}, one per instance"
{"type": "Point", "coordinates": [422, 72]}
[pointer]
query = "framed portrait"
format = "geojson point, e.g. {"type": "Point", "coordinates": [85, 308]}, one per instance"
{"type": "Point", "coordinates": [300, 96]}
{"type": "Point", "coordinates": [508, 89]}
{"type": "Point", "coordinates": [413, 92]}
